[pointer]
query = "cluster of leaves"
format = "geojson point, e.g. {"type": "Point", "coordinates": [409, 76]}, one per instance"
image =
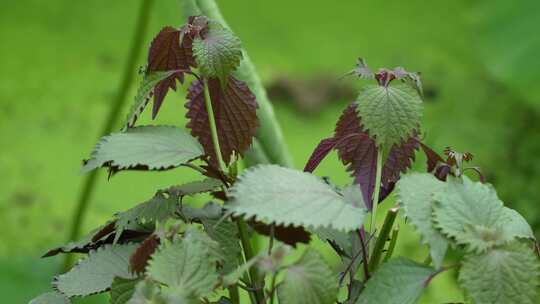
{"type": "Point", "coordinates": [165, 251]}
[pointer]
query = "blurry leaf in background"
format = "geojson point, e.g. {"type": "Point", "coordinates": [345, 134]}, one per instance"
{"type": "Point", "coordinates": [510, 44]}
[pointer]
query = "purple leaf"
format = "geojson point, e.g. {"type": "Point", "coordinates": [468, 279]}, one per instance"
{"type": "Point", "coordinates": [320, 152]}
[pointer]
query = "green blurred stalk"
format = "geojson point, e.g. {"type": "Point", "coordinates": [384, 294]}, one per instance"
{"type": "Point", "coordinates": [89, 184]}
{"type": "Point", "coordinates": [269, 134]}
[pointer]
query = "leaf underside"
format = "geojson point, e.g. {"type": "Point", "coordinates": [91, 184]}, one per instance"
{"type": "Point", "coordinates": [308, 281]}
{"type": "Point", "coordinates": [50, 298]}
{"type": "Point", "coordinates": [168, 53]}
{"type": "Point", "coordinates": [234, 108]}
{"type": "Point", "coordinates": [359, 153]}
{"type": "Point", "coordinates": [415, 194]}
{"type": "Point", "coordinates": [283, 196]}
{"type": "Point", "coordinates": [146, 147]}
{"type": "Point", "coordinates": [399, 281]}
{"type": "Point", "coordinates": [95, 273]}
{"type": "Point", "coordinates": [139, 259]}
{"type": "Point", "coordinates": [509, 274]}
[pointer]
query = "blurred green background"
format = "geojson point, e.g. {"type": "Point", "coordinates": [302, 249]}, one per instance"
{"type": "Point", "coordinates": [61, 62]}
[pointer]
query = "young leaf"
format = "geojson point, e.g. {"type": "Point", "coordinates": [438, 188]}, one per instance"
{"type": "Point", "coordinates": [235, 112]}
{"type": "Point", "coordinates": [50, 298]}
{"type": "Point", "coordinates": [148, 147]}
{"type": "Point", "coordinates": [96, 273]}
{"type": "Point", "coordinates": [359, 152]}
{"type": "Point", "coordinates": [169, 53]}
{"type": "Point", "coordinates": [188, 265]}
{"type": "Point", "coordinates": [144, 92]}
{"type": "Point", "coordinates": [399, 281]}
{"type": "Point", "coordinates": [509, 274]}
{"type": "Point", "coordinates": [308, 281]}
{"type": "Point", "coordinates": [472, 214]}
{"type": "Point", "coordinates": [283, 196]}
{"type": "Point", "coordinates": [122, 290]}
{"type": "Point", "coordinates": [390, 114]}
{"type": "Point", "coordinates": [157, 209]}
{"type": "Point", "coordinates": [415, 194]}
{"type": "Point", "coordinates": [218, 52]}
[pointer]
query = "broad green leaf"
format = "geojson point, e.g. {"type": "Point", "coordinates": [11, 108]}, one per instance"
{"type": "Point", "coordinates": [147, 292]}
{"type": "Point", "coordinates": [415, 195]}
{"type": "Point", "coordinates": [50, 298]}
{"type": "Point", "coordinates": [390, 114]}
{"type": "Point", "coordinates": [157, 209]}
{"type": "Point", "coordinates": [399, 281]}
{"type": "Point", "coordinates": [225, 233]}
{"type": "Point", "coordinates": [187, 264]}
{"type": "Point", "coordinates": [122, 290]}
{"type": "Point", "coordinates": [285, 196]}
{"type": "Point", "coordinates": [144, 92]}
{"type": "Point", "coordinates": [515, 225]}
{"type": "Point", "coordinates": [471, 214]}
{"type": "Point", "coordinates": [308, 281]}
{"type": "Point", "coordinates": [218, 53]}
{"type": "Point", "coordinates": [147, 147]}
{"type": "Point", "coordinates": [508, 274]}
{"type": "Point", "coordinates": [96, 272]}
{"type": "Point", "coordinates": [207, 185]}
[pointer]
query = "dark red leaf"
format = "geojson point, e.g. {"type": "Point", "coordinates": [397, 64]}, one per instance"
{"type": "Point", "coordinates": [139, 259]}
{"type": "Point", "coordinates": [358, 151]}
{"type": "Point", "coordinates": [433, 158]}
{"type": "Point", "coordinates": [168, 53]}
{"type": "Point", "coordinates": [235, 113]}
{"type": "Point", "coordinates": [287, 234]}
{"type": "Point", "coordinates": [399, 160]}
{"type": "Point", "coordinates": [320, 152]}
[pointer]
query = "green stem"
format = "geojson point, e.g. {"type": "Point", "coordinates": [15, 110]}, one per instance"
{"type": "Point", "coordinates": [269, 133]}
{"type": "Point", "coordinates": [381, 239]}
{"type": "Point", "coordinates": [213, 127]}
{"type": "Point", "coordinates": [377, 190]}
{"type": "Point", "coordinates": [242, 226]}
{"type": "Point", "coordinates": [248, 254]}
{"type": "Point", "coordinates": [392, 245]}
{"type": "Point", "coordinates": [89, 184]}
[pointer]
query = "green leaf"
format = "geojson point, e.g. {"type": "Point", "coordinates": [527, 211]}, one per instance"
{"type": "Point", "coordinates": [207, 185]}
{"type": "Point", "coordinates": [509, 274]}
{"type": "Point", "coordinates": [218, 53]}
{"type": "Point", "coordinates": [399, 281]}
{"type": "Point", "coordinates": [188, 264]}
{"type": "Point", "coordinates": [471, 214]}
{"type": "Point", "coordinates": [390, 114]}
{"type": "Point", "coordinates": [50, 298]}
{"type": "Point", "coordinates": [415, 195]}
{"type": "Point", "coordinates": [144, 92]}
{"type": "Point", "coordinates": [96, 272]}
{"type": "Point", "coordinates": [147, 292]}
{"type": "Point", "coordinates": [289, 197]}
{"type": "Point", "coordinates": [225, 233]}
{"type": "Point", "coordinates": [122, 290]}
{"type": "Point", "coordinates": [157, 209]}
{"type": "Point", "coordinates": [308, 281]}
{"type": "Point", "coordinates": [146, 147]}
{"type": "Point", "coordinates": [233, 277]}
{"type": "Point", "coordinates": [515, 225]}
